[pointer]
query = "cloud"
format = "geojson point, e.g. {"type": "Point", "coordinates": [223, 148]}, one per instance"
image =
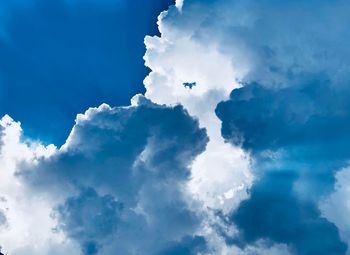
{"type": "Point", "coordinates": [176, 58]}
{"type": "Point", "coordinates": [119, 179]}
{"type": "Point", "coordinates": [26, 225]}
{"type": "Point", "coordinates": [89, 217]}
{"type": "Point", "coordinates": [288, 122]}
{"type": "Point", "coordinates": [270, 42]}
{"type": "Point", "coordinates": [298, 137]}
{"type": "Point", "coordinates": [336, 206]}
{"type": "Point", "coordinates": [177, 173]}
{"type": "Point", "coordinates": [187, 246]}
{"type": "Point", "coordinates": [3, 219]}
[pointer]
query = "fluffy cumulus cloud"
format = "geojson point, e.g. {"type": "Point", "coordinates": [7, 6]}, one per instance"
{"type": "Point", "coordinates": [176, 59]}
{"type": "Point", "coordinates": [289, 120]}
{"type": "Point", "coordinates": [275, 43]}
{"type": "Point", "coordinates": [297, 149]}
{"type": "Point", "coordinates": [119, 180]}
{"type": "Point", "coordinates": [239, 145]}
{"type": "Point", "coordinates": [336, 207]}
{"type": "Point", "coordinates": [25, 221]}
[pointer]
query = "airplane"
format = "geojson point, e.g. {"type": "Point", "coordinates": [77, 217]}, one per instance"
{"type": "Point", "coordinates": [189, 85]}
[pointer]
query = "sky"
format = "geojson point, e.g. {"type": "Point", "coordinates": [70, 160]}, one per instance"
{"type": "Point", "coordinates": [105, 149]}
{"type": "Point", "coordinates": [82, 53]}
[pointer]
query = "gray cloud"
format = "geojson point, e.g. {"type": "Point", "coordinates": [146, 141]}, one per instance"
{"type": "Point", "coordinates": [275, 43]}
{"type": "Point", "coordinates": [3, 219]}
{"type": "Point", "coordinates": [298, 137]}
{"type": "Point", "coordinates": [291, 116]}
{"type": "Point", "coordinates": [127, 168]}
{"type": "Point", "coordinates": [89, 218]}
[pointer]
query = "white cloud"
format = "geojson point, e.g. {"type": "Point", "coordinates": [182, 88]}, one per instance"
{"type": "Point", "coordinates": [274, 43]}
{"type": "Point", "coordinates": [217, 44]}
{"type": "Point", "coordinates": [221, 174]}
{"type": "Point", "coordinates": [336, 207]}
{"type": "Point", "coordinates": [177, 57]}
{"type": "Point", "coordinates": [28, 228]}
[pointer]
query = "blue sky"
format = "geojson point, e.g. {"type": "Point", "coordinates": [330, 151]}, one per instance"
{"type": "Point", "coordinates": [60, 57]}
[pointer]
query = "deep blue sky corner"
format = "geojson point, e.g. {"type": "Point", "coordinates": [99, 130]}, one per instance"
{"type": "Point", "coordinates": [60, 57]}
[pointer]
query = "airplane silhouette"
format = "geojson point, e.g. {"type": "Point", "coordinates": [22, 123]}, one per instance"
{"type": "Point", "coordinates": [189, 85]}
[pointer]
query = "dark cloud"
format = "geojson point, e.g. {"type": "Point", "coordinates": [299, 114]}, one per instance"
{"type": "Point", "coordinates": [298, 137]}
{"type": "Point", "coordinates": [275, 212]}
{"type": "Point", "coordinates": [135, 161]}
{"type": "Point", "coordinates": [3, 219]}
{"type": "Point", "coordinates": [89, 218]}
{"type": "Point", "coordinates": [187, 246]}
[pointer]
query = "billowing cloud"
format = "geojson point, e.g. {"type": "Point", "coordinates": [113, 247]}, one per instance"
{"type": "Point", "coordinates": [119, 180]}
{"type": "Point", "coordinates": [25, 222]}
{"type": "Point", "coordinates": [290, 116]}
{"type": "Point", "coordinates": [89, 217]}
{"type": "Point", "coordinates": [178, 172]}
{"type": "Point", "coordinates": [176, 59]}
{"type": "Point", "coordinates": [275, 43]}
{"type": "Point", "coordinates": [298, 137]}
{"type": "Point", "coordinates": [336, 206]}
